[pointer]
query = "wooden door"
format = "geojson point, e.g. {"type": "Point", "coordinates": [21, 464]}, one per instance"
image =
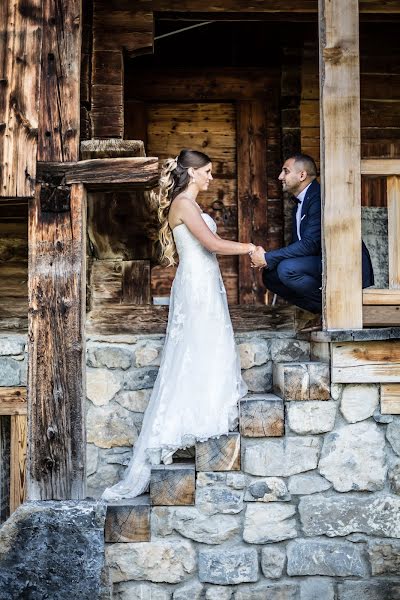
{"type": "Point", "coordinates": [209, 127]}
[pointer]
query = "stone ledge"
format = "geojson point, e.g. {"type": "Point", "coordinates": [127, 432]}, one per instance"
{"type": "Point", "coordinates": [356, 335]}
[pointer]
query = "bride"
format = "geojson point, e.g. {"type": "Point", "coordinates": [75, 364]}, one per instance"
{"type": "Point", "coordinates": [195, 396]}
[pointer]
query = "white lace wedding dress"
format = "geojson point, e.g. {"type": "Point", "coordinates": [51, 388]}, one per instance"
{"type": "Point", "coordinates": [199, 383]}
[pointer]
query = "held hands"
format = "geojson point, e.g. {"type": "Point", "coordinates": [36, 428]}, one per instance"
{"type": "Point", "coordinates": [257, 258]}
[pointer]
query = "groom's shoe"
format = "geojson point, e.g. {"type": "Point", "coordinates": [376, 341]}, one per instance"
{"type": "Point", "coordinates": [312, 325]}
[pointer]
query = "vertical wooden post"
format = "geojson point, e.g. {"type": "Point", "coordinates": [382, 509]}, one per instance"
{"type": "Point", "coordinates": [252, 191]}
{"type": "Point", "coordinates": [56, 286]}
{"type": "Point", "coordinates": [340, 163]}
{"type": "Point", "coordinates": [393, 202]}
{"type": "Point", "coordinates": [17, 461]}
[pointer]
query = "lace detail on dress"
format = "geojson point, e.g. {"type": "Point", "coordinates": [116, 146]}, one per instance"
{"type": "Point", "coordinates": [196, 393]}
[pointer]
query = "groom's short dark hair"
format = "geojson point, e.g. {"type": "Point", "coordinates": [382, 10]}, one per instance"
{"type": "Point", "coordinates": [307, 161]}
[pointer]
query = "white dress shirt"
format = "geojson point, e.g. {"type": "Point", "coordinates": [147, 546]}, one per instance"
{"type": "Point", "coordinates": [300, 198]}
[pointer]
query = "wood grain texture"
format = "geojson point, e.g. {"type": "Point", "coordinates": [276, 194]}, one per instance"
{"type": "Point", "coordinates": [20, 58]}
{"type": "Point", "coordinates": [366, 362]}
{"type": "Point", "coordinates": [13, 401]}
{"type": "Point", "coordinates": [393, 207]}
{"type": "Point", "coordinates": [57, 449]}
{"type": "Point", "coordinates": [380, 166]}
{"type": "Point", "coordinates": [375, 296]}
{"type": "Point", "coordinates": [262, 416]}
{"type": "Point", "coordinates": [381, 316]}
{"type": "Point", "coordinates": [111, 148]}
{"type": "Point", "coordinates": [128, 521]}
{"type": "Point", "coordinates": [390, 399]}
{"type": "Point", "coordinates": [252, 192]}
{"type": "Point", "coordinates": [5, 442]}
{"type": "Point", "coordinates": [340, 163]}
{"type": "Point", "coordinates": [173, 485]}
{"type": "Point", "coordinates": [18, 461]}
{"type": "Point", "coordinates": [136, 282]}
{"type": "Point", "coordinates": [273, 6]}
{"type": "Point", "coordinates": [220, 454]}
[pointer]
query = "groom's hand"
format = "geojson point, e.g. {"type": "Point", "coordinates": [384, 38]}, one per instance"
{"type": "Point", "coordinates": [258, 258]}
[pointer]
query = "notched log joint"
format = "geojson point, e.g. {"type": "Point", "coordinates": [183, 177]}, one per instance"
{"type": "Point", "coordinates": [55, 196]}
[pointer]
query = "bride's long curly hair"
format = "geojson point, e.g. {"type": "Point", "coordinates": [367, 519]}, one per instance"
{"type": "Point", "coordinates": [174, 179]}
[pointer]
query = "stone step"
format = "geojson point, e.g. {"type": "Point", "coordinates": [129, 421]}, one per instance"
{"type": "Point", "coordinates": [173, 485]}
{"type": "Point", "coordinates": [128, 520]}
{"type": "Point", "coordinates": [262, 415]}
{"type": "Point", "coordinates": [302, 380]}
{"type": "Point", "coordinates": [219, 454]}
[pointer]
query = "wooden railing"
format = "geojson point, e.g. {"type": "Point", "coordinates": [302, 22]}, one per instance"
{"type": "Point", "coordinates": [381, 307]}
{"type": "Point", "coordinates": [13, 440]}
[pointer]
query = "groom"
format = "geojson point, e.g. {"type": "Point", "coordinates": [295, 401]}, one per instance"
{"type": "Point", "coordinates": [295, 272]}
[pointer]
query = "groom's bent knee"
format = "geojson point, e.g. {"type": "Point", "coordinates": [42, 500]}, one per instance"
{"type": "Point", "coordinates": [288, 269]}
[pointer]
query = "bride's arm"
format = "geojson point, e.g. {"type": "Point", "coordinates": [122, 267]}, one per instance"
{"type": "Point", "coordinates": [213, 243]}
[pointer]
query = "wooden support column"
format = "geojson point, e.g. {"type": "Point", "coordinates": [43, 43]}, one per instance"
{"type": "Point", "coordinates": [340, 163]}
{"type": "Point", "coordinates": [56, 283]}
{"type": "Point", "coordinates": [393, 202]}
{"type": "Point", "coordinates": [20, 55]}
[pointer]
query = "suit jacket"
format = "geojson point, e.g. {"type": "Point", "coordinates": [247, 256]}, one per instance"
{"type": "Point", "coordinates": [310, 232]}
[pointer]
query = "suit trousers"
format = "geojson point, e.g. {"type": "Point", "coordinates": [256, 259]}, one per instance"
{"type": "Point", "coordinates": [297, 280]}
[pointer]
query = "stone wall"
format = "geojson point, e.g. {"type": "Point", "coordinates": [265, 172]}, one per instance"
{"type": "Point", "coordinates": [13, 360]}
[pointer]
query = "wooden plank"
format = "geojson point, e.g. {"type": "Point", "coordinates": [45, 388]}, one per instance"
{"type": "Point", "coordinates": [252, 192]}
{"type": "Point", "coordinates": [5, 442]}
{"type": "Point", "coordinates": [20, 57]}
{"type": "Point", "coordinates": [381, 297]}
{"type": "Point", "coordinates": [390, 399]}
{"type": "Point", "coordinates": [393, 206]}
{"type": "Point", "coordinates": [13, 401]}
{"type": "Point", "coordinates": [58, 133]}
{"type": "Point", "coordinates": [153, 319]}
{"type": "Point", "coordinates": [103, 172]}
{"type": "Point", "coordinates": [18, 461]}
{"type": "Point", "coordinates": [380, 166]}
{"type": "Point", "coordinates": [366, 362]}
{"type": "Point", "coordinates": [381, 316]}
{"type": "Point", "coordinates": [272, 6]}
{"type": "Point", "coordinates": [340, 163]}
{"type": "Point", "coordinates": [111, 148]}
{"type": "Point", "coordinates": [57, 449]}
{"type": "Point", "coordinates": [136, 282]}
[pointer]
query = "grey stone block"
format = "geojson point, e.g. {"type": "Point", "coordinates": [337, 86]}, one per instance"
{"type": "Point", "coordinates": [268, 489]}
{"type": "Point", "coordinates": [317, 589]}
{"type": "Point", "coordinates": [353, 457]}
{"type": "Point", "coordinates": [262, 416]}
{"type": "Point", "coordinates": [254, 352]}
{"type": "Point", "coordinates": [10, 372]}
{"type": "Point", "coordinates": [53, 549]}
{"type": "Point", "coordinates": [340, 515]}
{"type": "Point", "coordinates": [268, 591]}
{"type": "Point", "coordinates": [228, 566]}
{"type": "Point", "coordinates": [111, 426]}
{"type": "Point", "coordinates": [280, 457]}
{"type": "Point", "coordinates": [259, 379]}
{"type": "Point", "coordinates": [266, 523]}
{"type": "Point", "coordinates": [335, 559]}
{"type": "Point", "coordinates": [10, 346]}
{"type": "Point", "coordinates": [359, 401]}
{"type": "Point", "coordinates": [369, 590]}
{"type": "Point", "coordinates": [140, 379]}
{"type": "Point", "coordinates": [219, 499]}
{"type": "Point", "coordinates": [384, 557]}
{"type": "Point", "coordinates": [192, 590]}
{"type": "Point", "coordinates": [273, 561]}
{"type": "Point", "coordinates": [311, 417]}
{"type": "Point", "coordinates": [110, 357]}
{"type": "Point", "coordinates": [132, 590]}
{"type": "Point", "coordinates": [393, 435]}
{"type": "Point", "coordinates": [219, 592]}
{"type": "Point", "coordinates": [287, 350]}
{"type": "Point", "coordinates": [308, 484]}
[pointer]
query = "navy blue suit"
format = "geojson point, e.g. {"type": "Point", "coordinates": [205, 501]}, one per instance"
{"type": "Point", "coordinates": [295, 272]}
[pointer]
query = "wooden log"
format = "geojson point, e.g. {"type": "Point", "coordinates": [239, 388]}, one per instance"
{"type": "Point", "coordinates": [5, 443]}
{"type": "Point", "coordinates": [13, 401]}
{"type": "Point", "coordinates": [262, 416]}
{"type": "Point", "coordinates": [390, 399]}
{"type": "Point", "coordinates": [128, 521]}
{"type": "Point", "coordinates": [302, 381]}
{"type": "Point", "coordinates": [381, 316]}
{"type": "Point", "coordinates": [340, 163]}
{"type": "Point", "coordinates": [219, 454]}
{"type": "Point", "coordinates": [381, 297]}
{"type": "Point", "coordinates": [366, 362]}
{"type": "Point", "coordinates": [173, 485]}
{"type": "Point", "coordinates": [136, 282]}
{"type": "Point", "coordinates": [260, 6]}
{"type": "Point", "coordinates": [380, 166]}
{"type": "Point", "coordinates": [252, 192]}
{"type": "Point", "coordinates": [103, 172]}
{"type": "Point", "coordinates": [153, 319]}
{"type": "Point", "coordinates": [58, 134]}
{"type": "Point", "coordinates": [18, 461]}
{"type": "Point", "coordinates": [20, 57]}
{"type": "Point", "coordinates": [56, 462]}
{"type": "Point", "coordinates": [111, 148]}
{"type": "Point", "coordinates": [393, 207]}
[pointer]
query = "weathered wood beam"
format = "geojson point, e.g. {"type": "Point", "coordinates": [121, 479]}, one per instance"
{"type": "Point", "coordinates": [390, 399]}
{"type": "Point", "coordinates": [5, 443]}
{"type": "Point", "coordinates": [57, 444]}
{"type": "Point", "coordinates": [252, 191]}
{"type": "Point", "coordinates": [13, 401]}
{"type": "Point", "coordinates": [393, 208]}
{"type": "Point", "coordinates": [111, 148]}
{"type": "Point", "coordinates": [261, 6]}
{"type": "Point", "coordinates": [366, 362]}
{"type": "Point", "coordinates": [380, 166]}
{"type": "Point", "coordinates": [101, 172]}
{"type": "Point", "coordinates": [381, 316]}
{"type": "Point", "coordinates": [381, 296]}
{"type": "Point", "coordinates": [340, 163]}
{"type": "Point", "coordinates": [18, 461]}
{"type": "Point", "coordinates": [20, 57]}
